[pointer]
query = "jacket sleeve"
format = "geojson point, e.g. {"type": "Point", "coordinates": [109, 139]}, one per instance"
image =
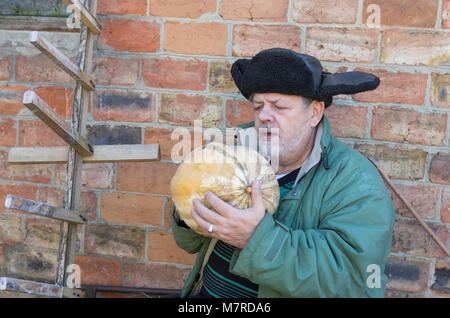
{"type": "Point", "coordinates": [329, 261]}
{"type": "Point", "coordinates": [187, 239]}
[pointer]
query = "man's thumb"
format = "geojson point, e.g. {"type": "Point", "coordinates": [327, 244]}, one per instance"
{"type": "Point", "coordinates": [257, 197]}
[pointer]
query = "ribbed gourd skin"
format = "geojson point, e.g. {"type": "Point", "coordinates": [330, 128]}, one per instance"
{"type": "Point", "coordinates": [227, 171]}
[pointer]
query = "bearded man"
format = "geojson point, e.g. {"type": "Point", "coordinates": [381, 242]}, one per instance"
{"type": "Point", "coordinates": [332, 231]}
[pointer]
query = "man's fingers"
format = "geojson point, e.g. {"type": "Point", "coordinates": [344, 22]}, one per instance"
{"type": "Point", "coordinates": [218, 204]}
{"type": "Point", "coordinates": [257, 197]}
{"type": "Point", "coordinates": [205, 213]}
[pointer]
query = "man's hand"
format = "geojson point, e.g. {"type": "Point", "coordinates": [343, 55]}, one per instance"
{"type": "Point", "coordinates": [230, 225]}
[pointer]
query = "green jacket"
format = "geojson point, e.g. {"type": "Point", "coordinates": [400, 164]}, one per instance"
{"type": "Point", "coordinates": [323, 239]}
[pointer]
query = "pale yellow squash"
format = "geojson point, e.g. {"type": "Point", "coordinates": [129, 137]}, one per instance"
{"type": "Point", "coordinates": [228, 172]}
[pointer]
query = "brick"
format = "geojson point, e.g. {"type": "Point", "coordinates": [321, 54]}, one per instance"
{"type": "Point", "coordinates": [99, 271]}
{"type": "Point", "coordinates": [2, 258]}
{"type": "Point", "coordinates": [404, 125]}
{"type": "Point", "coordinates": [40, 68]}
{"type": "Point", "coordinates": [35, 133]}
{"type": "Point", "coordinates": [97, 175]}
{"type": "Point", "coordinates": [94, 175]}
{"type": "Point", "coordinates": [347, 121]}
{"type": "Point", "coordinates": [42, 233]}
{"type": "Point", "coordinates": [113, 135]}
{"type": "Point", "coordinates": [168, 206]}
{"type": "Point", "coordinates": [120, 35]}
{"type": "Point", "coordinates": [406, 274]}
{"type": "Point", "coordinates": [445, 207]}
{"type": "Point", "coordinates": [115, 71]}
{"type": "Point", "coordinates": [440, 168]}
{"type": "Point", "coordinates": [401, 13]}
{"type": "Point", "coordinates": [25, 191]}
{"type": "Point", "coordinates": [310, 11]}
{"type": "Point", "coordinates": [88, 204]}
{"type": "Point", "coordinates": [28, 172]}
{"type": "Point", "coordinates": [31, 265]}
{"type": "Point", "coordinates": [238, 112]}
{"type": "Point", "coordinates": [122, 242]}
{"type": "Point", "coordinates": [411, 238]}
{"type": "Point", "coordinates": [58, 98]}
{"type": "Point", "coordinates": [440, 90]}
{"type": "Point", "coordinates": [248, 40]}
{"type": "Point", "coordinates": [446, 14]}
{"type": "Point", "coordinates": [399, 87]}
{"type": "Point", "coordinates": [11, 97]}
{"type": "Point", "coordinates": [180, 109]}
{"type": "Point", "coordinates": [131, 209]}
{"type": "Point", "coordinates": [5, 68]}
{"type": "Point", "coordinates": [124, 105]}
{"type": "Point", "coordinates": [220, 79]}
{"type": "Point", "coordinates": [441, 285]}
{"type": "Point", "coordinates": [423, 199]}
{"type": "Point", "coordinates": [196, 38]}
{"type": "Point", "coordinates": [7, 132]}
{"type": "Point", "coordinates": [146, 177]}
{"type": "Point", "coordinates": [254, 10]}
{"type": "Point", "coordinates": [171, 73]}
{"type": "Point", "coordinates": [415, 48]}
{"type": "Point", "coordinates": [154, 276]}
{"type": "Point", "coordinates": [161, 136]}
{"type": "Point", "coordinates": [138, 7]}
{"type": "Point", "coordinates": [162, 248]}
{"type": "Point", "coordinates": [395, 161]}
{"type": "Point", "coordinates": [342, 44]}
{"type": "Point", "coordinates": [181, 9]}
{"type": "Point", "coordinates": [10, 229]}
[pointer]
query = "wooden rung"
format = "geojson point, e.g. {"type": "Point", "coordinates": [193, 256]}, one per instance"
{"type": "Point", "coordinates": [30, 23]}
{"type": "Point", "coordinates": [61, 60]}
{"type": "Point", "coordinates": [43, 209]}
{"type": "Point", "coordinates": [48, 115]}
{"type": "Point", "coordinates": [37, 288]}
{"type": "Point", "coordinates": [105, 153]}
{"type": "Point", "coordinates": [86, 16]}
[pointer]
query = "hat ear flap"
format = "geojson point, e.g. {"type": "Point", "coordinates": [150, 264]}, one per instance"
{"type": "Point", "coordinates": [237, 72]}
{"type": "Point", "coordinates": [345, 83]}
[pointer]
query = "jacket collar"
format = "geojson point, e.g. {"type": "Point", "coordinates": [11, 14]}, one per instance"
{"type": "Point", "coordinates": [319, 150]}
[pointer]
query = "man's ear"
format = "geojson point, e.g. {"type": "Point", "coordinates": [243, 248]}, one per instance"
{"type": "Point", "coordinates": [317, 109]}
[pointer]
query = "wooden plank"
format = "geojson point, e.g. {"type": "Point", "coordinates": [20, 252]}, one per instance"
{"type": "Point", "coordinates": [102, 154]}
{"type": "Point", "coordinates": [43, 209]}
{"type": "Point", "coordinates": [40, 108]}
{"type": "Point", "coordinates": [85, 16]}
{"type": "Point", "coordinates": [30, 23]}
{"type": "Point", "coordinates": [61, 60]}
{"type": "Point", "coordinates": [37, 288]}
{"type": "Point", "coordinates": [74, 166]}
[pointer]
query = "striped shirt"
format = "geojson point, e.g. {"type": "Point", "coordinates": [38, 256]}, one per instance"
{"type": "Point", "coordinates": [218, 282]}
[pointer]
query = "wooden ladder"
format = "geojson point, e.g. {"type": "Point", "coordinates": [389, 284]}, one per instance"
{"type": "Point", "coordinates": [79, 151]}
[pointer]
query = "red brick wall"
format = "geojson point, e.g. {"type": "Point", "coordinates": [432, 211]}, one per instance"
{"type": "Point", "coordinates": [165, 64]}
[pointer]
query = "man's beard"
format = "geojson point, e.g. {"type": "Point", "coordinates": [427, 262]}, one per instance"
{"type": "Point", "coordinates": [277, 148]}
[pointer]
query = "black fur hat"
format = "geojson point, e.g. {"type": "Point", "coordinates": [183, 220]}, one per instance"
{"type": "Point", "coordinates": [287, 72]}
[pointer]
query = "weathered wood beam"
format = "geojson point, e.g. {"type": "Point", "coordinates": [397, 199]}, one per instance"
{"type": "Point", "coordinates": [37, 288]}
{"type": "Point", "coordinates": [102, 154]}
{"type": "Point", "coordinates": [44, 112]}
{"type": "Point", "coordinates": [30, 23]}
{"type": "Point", "coordinates": [43, 209]}
{"type": "Point", "coordinates": [85, 16]}
{"type": "Point", "coordinates": [61, 60]}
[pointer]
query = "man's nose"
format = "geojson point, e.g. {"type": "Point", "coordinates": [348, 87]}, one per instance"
{"type": "Point", "coordinates": [265, 115]}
